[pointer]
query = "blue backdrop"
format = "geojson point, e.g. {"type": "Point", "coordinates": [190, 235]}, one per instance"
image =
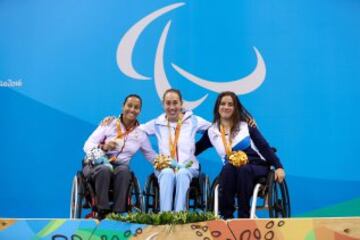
{"type": "Point", "coordinates": [296, 64]}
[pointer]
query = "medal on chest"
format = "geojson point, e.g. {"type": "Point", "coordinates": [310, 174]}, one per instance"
{"type": "Point", "coordinates": [235, 158]}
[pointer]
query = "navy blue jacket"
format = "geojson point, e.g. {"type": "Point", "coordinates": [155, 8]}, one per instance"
{"type": "Point", "coordinates": [261, 144]}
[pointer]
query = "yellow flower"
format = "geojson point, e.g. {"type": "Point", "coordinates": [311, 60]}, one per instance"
{"type": "Point", "coordinates": [238, 158]}
{"type": "Point", "coordinates": [162, 161]}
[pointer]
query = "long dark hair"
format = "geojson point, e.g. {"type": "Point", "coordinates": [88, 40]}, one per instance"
{"type": "Point", "coordinates": [240, 113]}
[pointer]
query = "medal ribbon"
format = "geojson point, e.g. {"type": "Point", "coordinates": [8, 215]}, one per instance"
{"type": "Point", "coordinates": [227, 144]}
{"type": "Point", "coordinates": [124, 135]}
{"type": "Point", "coordinates": [120, 134]}
{"type": "Point", "coordinates": [173, 142]}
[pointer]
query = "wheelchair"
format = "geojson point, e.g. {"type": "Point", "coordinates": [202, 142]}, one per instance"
{"type": "Point", "coordinates": [197, 195]}
{"type": "Point", "coordinates": [83, 201]}
{"type": "Point", "coordinates": [272, 195]}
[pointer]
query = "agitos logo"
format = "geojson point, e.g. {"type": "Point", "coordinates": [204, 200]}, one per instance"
{"type": "Point", "coordinates": [124, 60]}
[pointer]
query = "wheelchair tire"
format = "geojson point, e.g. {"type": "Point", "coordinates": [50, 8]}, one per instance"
{"type": "Point", "coordinates": [206, 193]}
{"type": "Point", "coordinates": [152, 195]}
{"type": "Point", "coordinates": [77, 197]}
{"type": "Point", "coordinates": [134, 197]}
{"type": "Point", "coordinates": [193, 194]}
{"type": "Point", "coordinates": [278, 198]}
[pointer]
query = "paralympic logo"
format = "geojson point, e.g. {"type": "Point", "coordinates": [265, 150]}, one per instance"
{"type": "Point", "coordinates": [124, 56]}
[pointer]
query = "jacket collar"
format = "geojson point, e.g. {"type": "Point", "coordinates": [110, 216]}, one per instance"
{"type": "Point", "coordinates": [161, 120]}
{"type": "Point", "coordinates": [214, 129]}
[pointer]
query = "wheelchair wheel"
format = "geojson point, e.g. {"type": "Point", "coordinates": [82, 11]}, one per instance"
{"type": "Point", "coordinates": [278, 198]}
{"type": "Point", "coordinates": [193, 195]}
{"type": "Point", "coordinates": [152, 195]}
{"type": "Point", "coordinates": [212, 194]}
{"type": "Point", "coordinates": [198, 193]}
{"type": "Point", "coordinates": [134, 196]}
{"type": "Point", "coordinates": [82, 199]}
{"type": "Point", "coordinates": [77, 197]}
{"type": "Point", "coordinates": [205, 193]}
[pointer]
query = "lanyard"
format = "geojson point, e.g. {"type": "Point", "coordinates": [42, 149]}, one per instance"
{"type": "Point", "coordinates": [123, 135]}
{"type": "Point", "coordinates": [173, 141]}
{"type": "Point", "coordinates": [227, 144]}
{"type": "Point", "coordinates": [120, 134]}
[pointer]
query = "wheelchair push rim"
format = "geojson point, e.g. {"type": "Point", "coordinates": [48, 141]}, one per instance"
{"type": "Point", "coordinates": [134, 197]}
{"type": "Point", "coordinates": [76, 198]}
{"type": "Point", "coordinates": [278, 199]}
{"type": "Point", "coordinates": [151, 195]}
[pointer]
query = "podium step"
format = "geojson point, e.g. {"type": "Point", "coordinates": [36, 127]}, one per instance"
{"type": "Point", "coordinates": [236, 229]}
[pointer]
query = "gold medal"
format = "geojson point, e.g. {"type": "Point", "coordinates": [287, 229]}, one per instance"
{"type": "Point", "coordinates": [235, 158]}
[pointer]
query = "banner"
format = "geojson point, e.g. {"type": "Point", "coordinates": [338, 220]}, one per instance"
{"type": "Point", "coordinates": [65, 65]}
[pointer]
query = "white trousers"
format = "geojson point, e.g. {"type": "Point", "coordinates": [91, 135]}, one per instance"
{"type": "Point", "coordinates": [180, 180]}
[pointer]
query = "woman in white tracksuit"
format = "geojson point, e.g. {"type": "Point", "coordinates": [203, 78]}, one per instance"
{"type": "Point", "coordinates": [175, 132]}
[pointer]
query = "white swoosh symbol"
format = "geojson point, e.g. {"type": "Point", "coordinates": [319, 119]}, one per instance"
{"type": "Point", "coordinates": [127, 43]}
{"type": "Point", "coordinates": [124, 56]}
{"type": "Point", "coordinates": [161, 81]}
{"type": "Point", "coordinates": [238, 86]}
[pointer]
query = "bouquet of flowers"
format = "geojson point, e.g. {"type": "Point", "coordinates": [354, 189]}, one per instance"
{"type": "Point", "coordinates": [238, 158]}
{"type": "Point", "coordinates": [162, 161]}
{"type": "Point", "coordinates": [97, 157]}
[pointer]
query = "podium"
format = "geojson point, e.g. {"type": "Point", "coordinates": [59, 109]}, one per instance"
{"type": "Point", "coordinates": [235, 229]}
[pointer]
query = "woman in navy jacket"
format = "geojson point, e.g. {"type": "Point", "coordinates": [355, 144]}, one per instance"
{"type": "Point", "coordinates": [245, 153]}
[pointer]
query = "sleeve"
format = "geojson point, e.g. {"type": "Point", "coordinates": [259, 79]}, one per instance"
{"type": "Point", "coordinates": [149, 127]}
{"type": "Point", "coordinates": [97, 137]}
{"type": "Point", "coordinates": [202, 124]}
{"type": "Point", "coordinates": [147, 149]}
{"type": "Point", "coordinates": [263, 146]}
{"type": "Point", "coordinates": [203, 144]}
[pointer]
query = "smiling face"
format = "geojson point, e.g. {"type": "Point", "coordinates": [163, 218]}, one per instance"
{"type": "Point", "coordinates": [172, 106]}
{"type": "Point", "coordinates": [131, 109]}
{"type": "Point", "coordinates": [226, 107]}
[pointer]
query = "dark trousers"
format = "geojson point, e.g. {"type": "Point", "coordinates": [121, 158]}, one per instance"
{"type": "Point", "coordinates": [102, 177]}
{"type": "Point", "coordinates": [240, 181]}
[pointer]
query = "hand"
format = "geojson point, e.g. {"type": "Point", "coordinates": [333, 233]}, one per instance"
{"type": "Point", "coordinates": [112, 159]}
{"type": "Point", "coordinates": [251, 122]}
{"type": "Point", "coordinates": [109, 146]}
{"type": "Point", "coordinates": [180, 165]}
{"type": "Point", "coordinates": [107, 120]}
{"type": "Point", "coordinates": [173, 164]}
{"type": "Point", "coordinates": [279, 175]}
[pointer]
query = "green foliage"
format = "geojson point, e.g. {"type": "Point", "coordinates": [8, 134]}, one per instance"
{"type": "Point", "coordinates": [163, 217]}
